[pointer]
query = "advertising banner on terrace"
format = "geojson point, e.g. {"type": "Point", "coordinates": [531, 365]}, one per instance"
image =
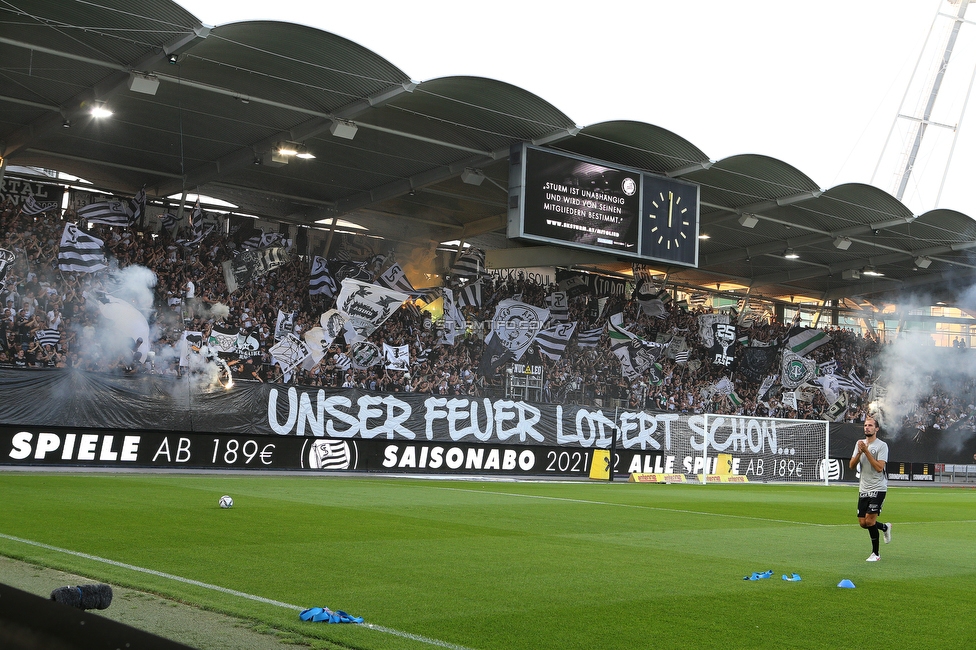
{"type": "Point", "coordinates": [49, 399]}
{"type": "Point", "coordinates": [68, 447]}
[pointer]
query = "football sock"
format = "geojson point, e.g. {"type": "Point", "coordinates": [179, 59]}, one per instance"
{"type": "Point", "coordinates": [873, 532]}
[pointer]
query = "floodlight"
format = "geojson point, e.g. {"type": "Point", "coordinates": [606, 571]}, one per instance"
{"type": "Point", "coordinates": [748, 220]}
{"type": "Point", "coordinates": [473, 176]}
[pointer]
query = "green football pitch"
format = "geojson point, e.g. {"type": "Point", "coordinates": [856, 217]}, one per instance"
{"type": "Point", "coordinates": [513, 565]}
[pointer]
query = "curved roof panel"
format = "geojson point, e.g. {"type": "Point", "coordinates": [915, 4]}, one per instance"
{"type": "Point", "coordinates": [742, 180]}
{"type": "Point", "coordinates": [635, 144]}
{"type": "Point", "coordinates": [475, 112]}
{"type": "Point", "coordinates": [213, 122]}
{"type": "Point", "coordinates": [294, 64]}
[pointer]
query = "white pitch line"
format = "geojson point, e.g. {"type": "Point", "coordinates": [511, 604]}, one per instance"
{"type": "Point", "coordinates": [225, 590]}
{"type": "Point", "coordinates": [643, 507]}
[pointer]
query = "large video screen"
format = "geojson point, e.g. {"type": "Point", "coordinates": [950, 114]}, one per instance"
{"type": "Point", "coordinates": [580, 203]}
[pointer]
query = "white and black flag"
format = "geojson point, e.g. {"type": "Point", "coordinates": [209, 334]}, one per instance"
{"type": "Point", "coordinates": [470, 264]}
{"type": "Point", "coordinates": [289, 352]}
{"type": "Point", "coordinates": [48, 336]}
{"type": "Point", "coordinates": [394, 278]}
{"type": "Point", "coordinates": [32, 208]}
{"type": "Point", "coordinates": [559, 306]}
{"type": "Point", "coordinates": [367, 306]}
{"type": "Point", "coordinates": [169, 221]}
{"type": "Point", "coordinates": [253, 242]}
{"type": "Point", "coordinates": [6, 260]}
{"type": "Point", "coordinates": [137, 205]}
{"type": "Point", "coordinates": [108, 213]}
{"type": "Point", "coordinates": [269, 239]}
{"type": "Point", "coordinates": [723, 337]}
{"type": "Point", "coordinates": [250, 264]}
{"type": "Point", "coordinates": [552, 341]}
{"type": "Point", "coordinates": [397, 357]}
{"type": "Point", "coordinates": [516, 324]}
{"type": "Point", "coordinates": [196, 224]}
{"type": "Point", "coordinates": [320, 280]}
{"type": "Point", "coordinates": [470, 295]}
{"type": "Point", "coordinates": [589, 338]}
{"type": "Point", "coordinates": [285, 324]}
{"type": "Point", "coordinates": [80, 252]}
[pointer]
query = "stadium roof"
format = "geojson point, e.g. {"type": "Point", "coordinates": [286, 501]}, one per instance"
{"type": "Point", "coordinates": [201, 109]}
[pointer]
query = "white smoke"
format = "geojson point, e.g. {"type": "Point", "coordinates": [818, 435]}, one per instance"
{"type": "Point", "coordinates": [912, 369]}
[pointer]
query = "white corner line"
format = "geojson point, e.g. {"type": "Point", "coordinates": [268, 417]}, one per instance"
{"type": "Point", "coordinates": [225, 590]}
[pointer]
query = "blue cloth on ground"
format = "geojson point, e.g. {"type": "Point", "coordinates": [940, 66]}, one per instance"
{"type": "Point", "coordinates": [326, 615]}
{"type": "Point", "coordinates": [759, 576]}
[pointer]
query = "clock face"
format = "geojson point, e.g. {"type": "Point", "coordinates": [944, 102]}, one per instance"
{"type": "Point", "coordinates": [669, 221]}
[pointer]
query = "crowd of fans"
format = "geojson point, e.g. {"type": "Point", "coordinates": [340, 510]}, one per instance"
{"type": "Point", "coordinates": [190, 295]}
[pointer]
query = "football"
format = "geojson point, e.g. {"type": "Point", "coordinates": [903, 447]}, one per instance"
{"type": "Point", "coordinates": [226, 501]}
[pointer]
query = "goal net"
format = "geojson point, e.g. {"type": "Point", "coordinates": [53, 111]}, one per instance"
{"type": "Point", "coordinates": [760, 449]}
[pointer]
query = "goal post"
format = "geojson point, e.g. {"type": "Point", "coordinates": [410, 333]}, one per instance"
{"type": "Point", "coordinates": [759, 449]}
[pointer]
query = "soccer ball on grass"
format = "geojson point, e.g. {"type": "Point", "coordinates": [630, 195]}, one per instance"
{"type": "Point", "coordinates": [226, 501]}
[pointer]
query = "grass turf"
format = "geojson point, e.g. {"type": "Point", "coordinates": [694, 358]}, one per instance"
{"type": "Point", "coordinates": [492, 565]}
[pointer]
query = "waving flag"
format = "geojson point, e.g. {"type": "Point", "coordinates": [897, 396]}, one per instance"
{"type": "Point", "coordinates": [394, 278]}
{"type": "Point", "coordinates": [589, 338]}
{"type": "Point", "coordinates": [397, 357]}
{"type": "Point", "coordinates": [471, 264]}
{"type": "Point", "coordinates": [48, 336]}
{"type": "Point", "coordinates": [109, 213]}
{"type": "Point", "coordinates": [80, 252]}
{"type": "Point", "coordinates": [320, 281]}
{"type": "Point", "coordinates": [552, 342]}
{"type": "Point", "coordinates": [807, 340]}
{"type": "Point", "coordinates": [289, 352]}
{"type": "Point", "coordinates": [559, 305]}
{"type": "Point", "coordinates": [137, 205]}
{"type": "Point", "coordinates": [6, 259]}
{"type": "Point", "coordinates": [637, 356]}
{"type": "Point", "coordinates": [470, 295]}
{"type": "Point", "coordinates": [796, 370]}
{"type": "Point", "coordinates": [32, 208]}
{"type": "Point", "coordinates": [285, 324]}
{"type": "Point", "coordinates": [169, 221]}
{"type": "Point", "coordinates": [516, 324]}
{"type": "Point", "coordinates": [367, 306]}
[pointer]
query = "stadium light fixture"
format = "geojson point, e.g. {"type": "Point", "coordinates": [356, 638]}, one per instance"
{"type": "Point", "coordinates": [343, 129]}
{"type": "Point", "coordinates": [473, 176]}
{"type": "Point", "coordinates": [871, 271]}
{"type": "Point", "coordinates": [790, 254]}
{"type": "Point", "coordinates": [146, 84]}
{"type": "Point", "coordinates": [842, 243]}
{"type": "Point", "coordinates": [100, 111]}
{"type": "Point", "coordinates": [304, 153]}
{"type": "Point", "coordinates": [923, 262]}
{"type": "Point", "coordinates": [287, 148]}
{"type": "Point", "coordinates": [748, 220]}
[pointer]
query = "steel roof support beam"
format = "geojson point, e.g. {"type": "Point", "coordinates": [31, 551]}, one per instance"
{"type": "Point", "coordinates": [110, 85]}
{"type": "Point", "coordinates": [438, 174]}
{"type": "Point", "coordinates": [246, 155]}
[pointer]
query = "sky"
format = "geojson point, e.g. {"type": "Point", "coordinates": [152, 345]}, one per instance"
{"type": "Point", "coordinates": [817, 85]}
